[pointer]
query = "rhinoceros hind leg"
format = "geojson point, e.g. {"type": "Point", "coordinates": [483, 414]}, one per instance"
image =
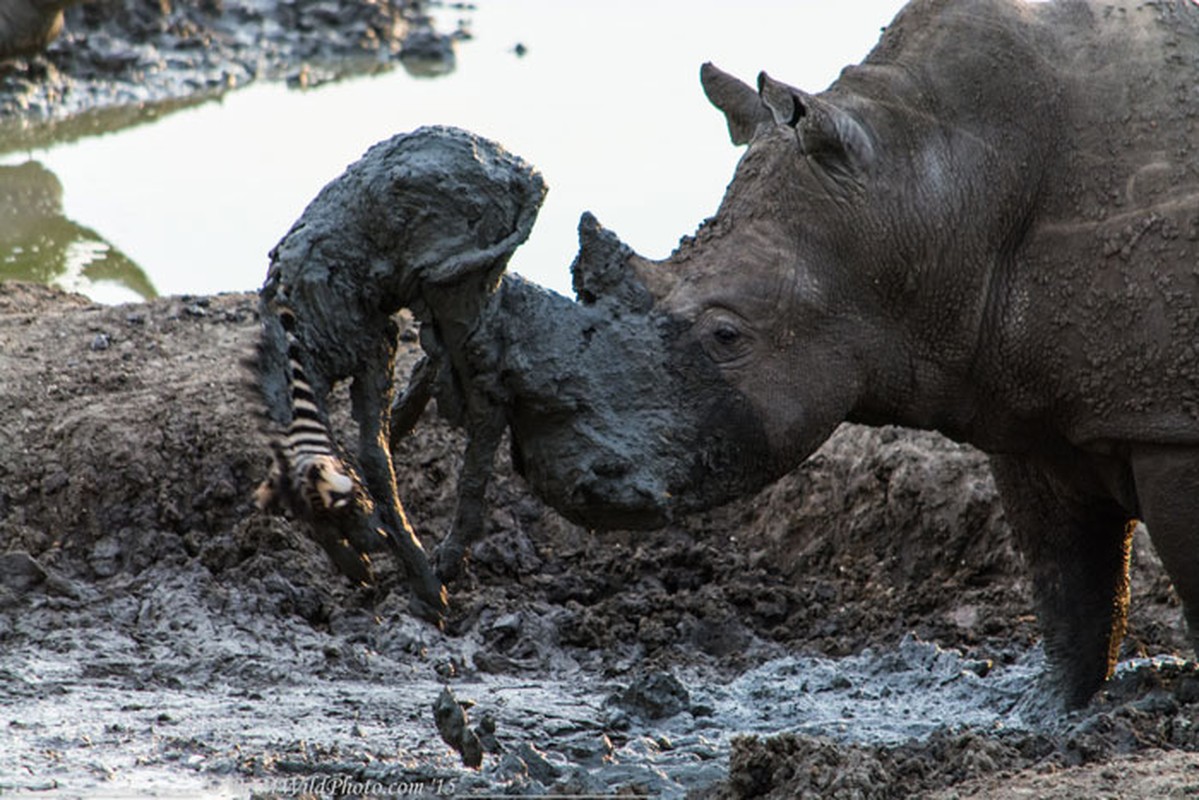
{"type": "Point", "coordinates": [1076, 545]}
{"type": "Point", "coordinates": [1167, 482]}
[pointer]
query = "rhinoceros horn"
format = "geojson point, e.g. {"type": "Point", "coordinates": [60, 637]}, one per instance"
{"type": "Point", "coordinates": [603, 269]}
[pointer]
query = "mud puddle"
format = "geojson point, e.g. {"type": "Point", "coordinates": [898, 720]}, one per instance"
{"type": "Point", "coordinates": [180, 702]}
{"type": "Point", "coordinates": [171, 697]}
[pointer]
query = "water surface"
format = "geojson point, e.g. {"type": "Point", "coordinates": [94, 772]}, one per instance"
{"type": "Point", "coordinates": [605, 101]}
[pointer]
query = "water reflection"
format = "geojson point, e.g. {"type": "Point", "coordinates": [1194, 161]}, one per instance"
{"type": "Point", "coordinates": [39, 243]}
{"type": "Point", "coordinates": [20, 133]}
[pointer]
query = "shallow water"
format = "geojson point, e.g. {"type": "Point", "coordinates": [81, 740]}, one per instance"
{"type": "Point", "coordinates": [605, 101]}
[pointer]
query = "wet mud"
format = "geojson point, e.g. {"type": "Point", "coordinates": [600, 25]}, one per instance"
{"type": "Point", "coordinates": [862, 628]}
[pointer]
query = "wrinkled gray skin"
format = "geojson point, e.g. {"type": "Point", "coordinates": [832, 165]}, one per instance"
{"type": "Point", "coordinates": [27, 26]}
{"type": "Point", "coordinates": [989, 228]}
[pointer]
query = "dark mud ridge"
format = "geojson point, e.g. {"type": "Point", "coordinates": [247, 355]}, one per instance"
{"type": "Point", "coordinates": [122, 61]}
{"type": "Point", "coordinates": [861, 629]}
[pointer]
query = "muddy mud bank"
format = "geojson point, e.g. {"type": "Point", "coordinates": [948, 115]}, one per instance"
{"type": "Point", "coordinates": [120, 62]}
{"type": "Point", "coordinates": [862, 628]}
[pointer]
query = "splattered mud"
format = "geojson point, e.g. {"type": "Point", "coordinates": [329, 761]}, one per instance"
{"type": "Point", "coordinates": [860, 629]}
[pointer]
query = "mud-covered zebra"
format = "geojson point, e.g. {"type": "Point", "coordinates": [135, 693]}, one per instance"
{"type": "Point", "coordinates": [308, 475]}
{"type": "Point", "coordinates": [350, 511]}
{"type": "Point", "coordinates": [439, 210]}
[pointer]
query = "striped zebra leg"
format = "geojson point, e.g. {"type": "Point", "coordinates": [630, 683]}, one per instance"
{"type": "Point", "coordinates": [309, 478]}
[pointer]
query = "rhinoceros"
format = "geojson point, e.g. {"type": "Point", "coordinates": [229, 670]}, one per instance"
{"type": "Point", "coordinates": [989, 228]}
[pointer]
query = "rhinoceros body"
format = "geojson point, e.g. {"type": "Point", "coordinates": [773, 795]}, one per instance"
{"type": "Point", "coordinates": [989, 228]}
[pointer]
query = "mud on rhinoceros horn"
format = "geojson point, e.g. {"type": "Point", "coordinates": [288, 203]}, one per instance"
{"type": "Point", "coordinates": [602, 270]}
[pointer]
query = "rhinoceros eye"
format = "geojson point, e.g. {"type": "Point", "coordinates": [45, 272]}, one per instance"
{"type": "Point", "coordinates": [725, 337]}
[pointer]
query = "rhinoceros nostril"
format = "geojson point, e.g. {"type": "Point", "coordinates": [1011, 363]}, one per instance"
{"type": "Point", "coordinates": [611, 468]}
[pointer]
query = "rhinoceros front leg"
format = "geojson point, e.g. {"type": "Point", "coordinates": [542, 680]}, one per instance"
{"type": "Point", "coordinates": [370, 396]}
{"type": "Point", "coordinates": [1076, 545]}
{"type": "Point", "coordinates": [1167, 481]}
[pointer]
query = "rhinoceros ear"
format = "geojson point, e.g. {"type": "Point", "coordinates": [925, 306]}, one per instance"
{"type": "Point", "coordinates": [742, 106]}
{"type": "Point", "coordinates": [826, 133]}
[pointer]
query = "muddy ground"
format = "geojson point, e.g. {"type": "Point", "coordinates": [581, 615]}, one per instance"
{"type": "Point", "coordinates": [860, 629]}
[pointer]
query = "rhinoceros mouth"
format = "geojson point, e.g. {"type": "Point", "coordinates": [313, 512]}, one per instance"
{"type": "Point", "coordinates": [598, 507]}
{"type": "Point", "coordinates": [588, 480]}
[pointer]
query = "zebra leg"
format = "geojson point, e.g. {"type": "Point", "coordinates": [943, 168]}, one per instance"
{"type": "Point", "coordinates": [370, 396]}
{"type": "Point", "coordinates": [484, 430]}
{"type": "Point", "coordinates": [407, 408]}
{"type": "Point", "coordinates": [308, 477]}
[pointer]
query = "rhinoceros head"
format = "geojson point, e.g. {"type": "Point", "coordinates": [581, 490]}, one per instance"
{"type": "Point", "coordinates": [618, 418]}
{"type": "Point", "coordinates": [678, 385]}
